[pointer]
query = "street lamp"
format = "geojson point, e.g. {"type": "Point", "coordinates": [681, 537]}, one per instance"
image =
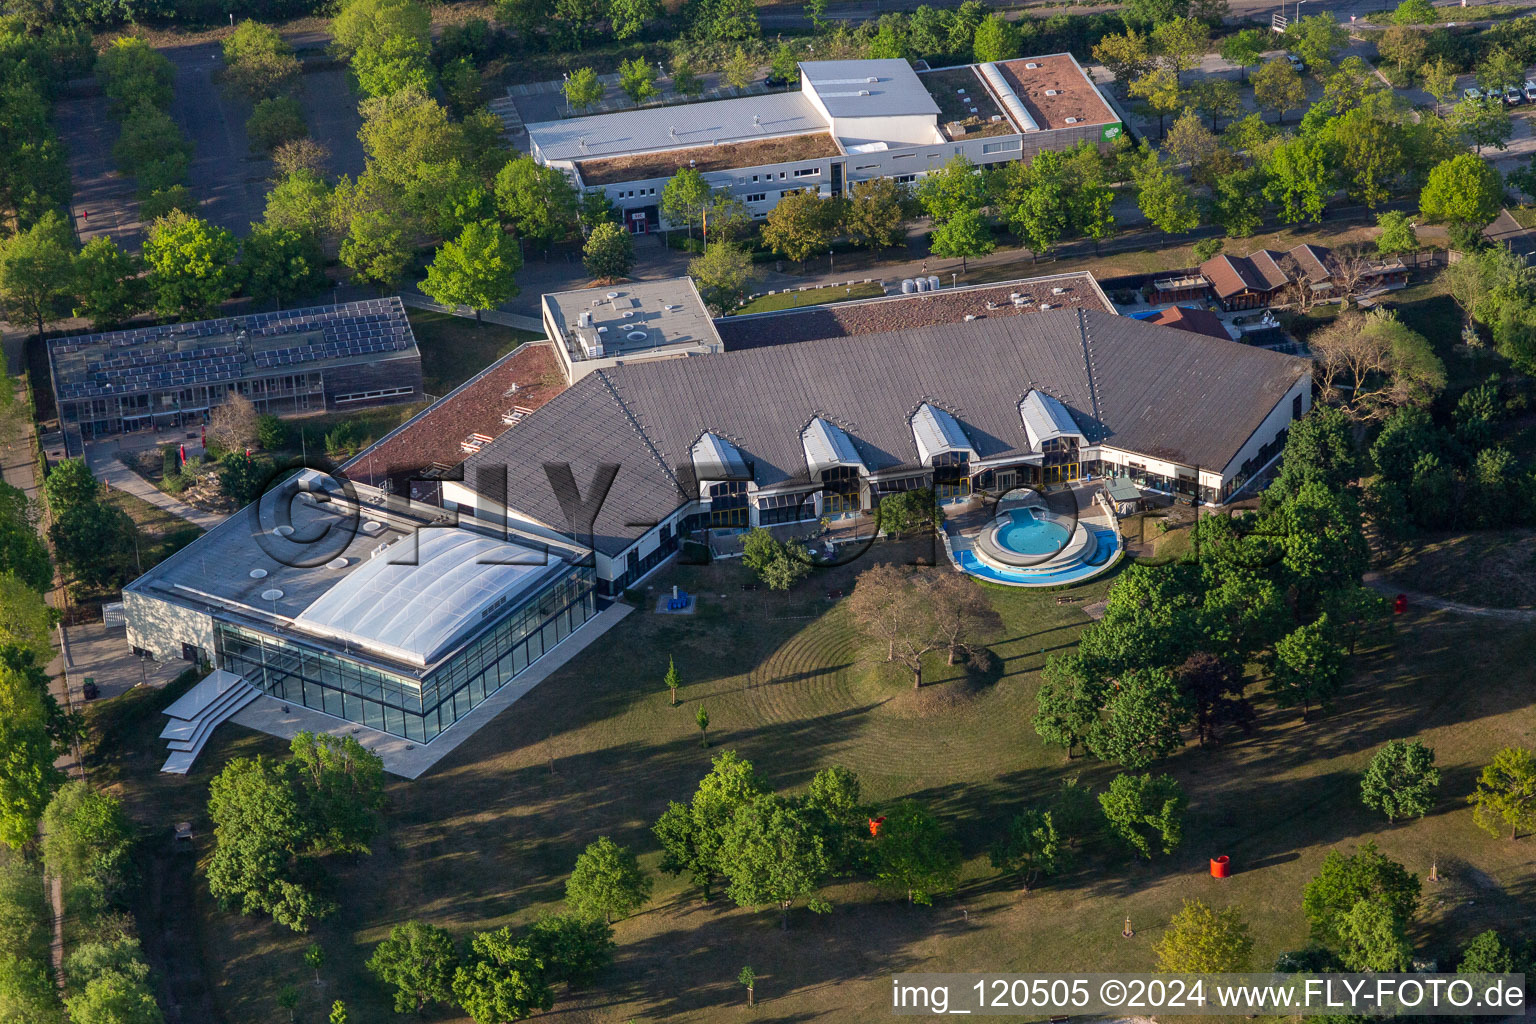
{"type": "Point", "coordinates": [1298, 8]}
{"type": "Point", "coordinates": [952, 279]}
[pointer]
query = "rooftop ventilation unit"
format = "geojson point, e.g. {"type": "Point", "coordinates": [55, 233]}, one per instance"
{"type": "Point", "coordinates": [1032, 65]}
{"type": "Point", "coordinates": [1072, 120]}
{"type": "Point", "coordinates": [871, 79]}
{"type": "Point", "coordinates": [1058, 291]}
{"type": "Point", "coordinates": [969, 317]}
{"type": "Point", "coordinates": [636, 336]}
{"type": "Point", "coordinates": [1050, 92]}
{"type": "Point", "coordinates": [863, 92]}
{"type": "Point", "coordinates": [585, 320]}
{"type": "Point", "coordinates": [611, 296]}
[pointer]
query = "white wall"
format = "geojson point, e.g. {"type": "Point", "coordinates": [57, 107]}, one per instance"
{"type": "Point", "coordinates": [1279, 418]}
{"type": "Point", "coordinates": [908, 129]}
{"type": "Point", "coordinates": [161, 627]}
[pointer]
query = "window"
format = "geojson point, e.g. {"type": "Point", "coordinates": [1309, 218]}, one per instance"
{"type": "Point", "coordinates": [905, 179]}
{"type": "Point", "coordinates": [1007, 145]}
{"type": "Point", "coordinates": [785, 508]}
{"type": "Point", "coordinates": [757, 197]}
{"type": "Point", "coordinates": [902, 156]}
{"type": "Point", "coordinates": [1296, 408]}
{"type": "Point", "coordinates": [782, 175]}
{"type": "Point", "coordinates": [806, 172]}
{"type": "Point", "coordinates": [866, 167]}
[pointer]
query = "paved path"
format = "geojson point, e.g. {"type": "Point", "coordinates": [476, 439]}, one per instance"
{"type": "Point", "coordinates": [1375, 581]}
{"type": "Point", "coordinates": [101, 457]}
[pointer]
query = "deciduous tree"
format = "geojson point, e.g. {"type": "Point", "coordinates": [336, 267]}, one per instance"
{"type": "Point", "coordinates": [607, 880]}
{"type": "Point", "coordinates": [418, 961]}
{"type": "Point", "coordinates": [1401, 780]}
{"type": "Point", "coordinates": [1277, 87]}
{"type": "Point", "coordinates": [609, 253]}
{"type": "Point", "coordinates": [915, 854]}
{"type": "Point", "coordinates": [875, 214]}
{"type": "Point", "coordinates": [478, 269]}
{"type": "Point", "coordinates": [37, 272]}
{"type": "Point", "coordinates": [1145, 812]}
{"type": "Point", "coordinates": [1343, 881]}
{"type": "Point", "coordinates": [801, 225]}
{"type": "Point", "coordinates": [964, 236]}
{"type": "Point", "coordinates": [1030, 846]}
{"type": "Point", "coordinates": [1203, 940]}
{"type": "Point", "coordinates": [773, 853]}
{"type": "Point", "coordinates": [722, 274]}
{"type": "Point", "coordinates": [193, 267]}
{"type": "Point", "coordinates": [1506, 793]}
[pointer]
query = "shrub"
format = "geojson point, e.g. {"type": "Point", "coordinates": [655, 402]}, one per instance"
{"type": "Point", "coordinates": [275, 121]}
{"type": "Point", "coordinates": [271, 432]}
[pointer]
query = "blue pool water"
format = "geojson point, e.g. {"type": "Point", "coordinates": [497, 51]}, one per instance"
{"type": "Point", "coordinates": [1026, 535]}
{"type": "Point", "coordinates": [1108, 548]}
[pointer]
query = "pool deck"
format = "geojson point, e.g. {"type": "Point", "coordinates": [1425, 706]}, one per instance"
{"type": "Point", "coordinates": [966, 527]}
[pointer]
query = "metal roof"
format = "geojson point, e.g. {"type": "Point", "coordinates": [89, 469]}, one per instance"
{"type": "Point", "coordinates": [868, 88]}
{"type": "Point", "coordinates": [827, 446]}
{"type": "Point", "coordinates": [715, 458]}
{"type": "Point", "coordinates": [1161, 392]}
{"type": "Point", "coordinates": [411, 601]}
{"type": "Point", "coordinates": [1046, 419]}
{"type": "Point", "coordinates": [654, 129]}
{"type": "Point", "coordinates": [937, 433]}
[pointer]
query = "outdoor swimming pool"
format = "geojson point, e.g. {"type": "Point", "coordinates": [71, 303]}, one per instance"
{"type": "Point", "coordinates": [1026, 535]}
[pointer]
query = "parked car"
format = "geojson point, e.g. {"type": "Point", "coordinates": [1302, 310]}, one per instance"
{"type": "Point", "coordinates": [1512, 96]}
{"type": "Point", "coordinates": [1530, 90]}
{"type": "Point", "coordinates": [776, 82]}
{"type": "Point", "coordinates": [1297, 64]}
{"type": "Point", "coordinates": [1472, 93]}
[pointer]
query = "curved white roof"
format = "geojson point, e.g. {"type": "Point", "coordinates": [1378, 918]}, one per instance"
{"type": "Point", "coordinates": [937, 432]}
{"type": "Point", "coordinates": [826, 446]}
{"type": "Point", "coordinates": [1045, 419]}
{"type": "Point", "coordinates": [414, 612]}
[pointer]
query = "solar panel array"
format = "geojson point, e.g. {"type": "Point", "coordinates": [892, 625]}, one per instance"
{"type": "Point", "coordinates": [150, 359]}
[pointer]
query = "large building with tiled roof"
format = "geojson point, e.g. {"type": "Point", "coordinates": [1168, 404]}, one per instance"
{"type": "Point", "coordinates": [827, 427]}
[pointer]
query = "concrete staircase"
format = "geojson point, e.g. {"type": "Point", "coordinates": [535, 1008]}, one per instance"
{"type": "Point", "coordinates": [199, 711]}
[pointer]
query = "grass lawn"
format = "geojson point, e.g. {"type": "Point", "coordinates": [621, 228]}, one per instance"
{"type": "Point", "coordinates": [1484, 567]}
{"type": "Point", "coordinates": [488, 837]}
{"type": "Point", "coordinates": [161, 533]}
{"type": "Point", "coordinates": [455, 348]}
{"type": "Point", "coordinates": [811, 297]}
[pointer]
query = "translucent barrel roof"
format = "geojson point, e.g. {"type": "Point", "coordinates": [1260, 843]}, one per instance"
{"type": "Point", "coordinates": [412, 605]}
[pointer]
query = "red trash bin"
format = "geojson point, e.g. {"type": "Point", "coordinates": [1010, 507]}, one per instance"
{"type": "Point", "coordinates": [874, 825]}
{"type": "Point", "coordinates": [1400, 605]}
{"type": "Point", "coordinates": [1221, 866]}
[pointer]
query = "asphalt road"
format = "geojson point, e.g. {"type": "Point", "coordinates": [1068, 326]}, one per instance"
{"type": "Point", "coordinates": [790, 15]}
{"type": "Point", "coordinates": [230, 183]}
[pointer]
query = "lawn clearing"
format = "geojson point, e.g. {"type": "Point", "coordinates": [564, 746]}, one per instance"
{"type": "Point", "coordinates": [488, 837]}
{"type": "Point", "coordinates": [455, 348]}
{"type": "Point", "coordinates": [810, 297]}
{"type": "Point", "coordinates": [1496, 568]}
{"type": "Point", "coordinates": [161, 533]}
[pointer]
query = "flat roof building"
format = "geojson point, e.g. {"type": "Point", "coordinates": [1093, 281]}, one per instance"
{"type": "Point", "coordinates": [597, 328]}
{"type": "Point", "coordinates": [170, 375]}
{"type": "Point", "coordinates": [850, 121]}
{"type": "Point", "coordinates": [399, 619]}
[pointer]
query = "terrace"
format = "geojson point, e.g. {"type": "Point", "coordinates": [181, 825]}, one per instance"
{"type": "Point", "coordinates": [904, 312]}
{"type": "Point", "coordinates": [727, 157]}
{"type": "Point", "coordinates": [967, 110]}
{"type": "Point", "coordinates": [1056, 92]}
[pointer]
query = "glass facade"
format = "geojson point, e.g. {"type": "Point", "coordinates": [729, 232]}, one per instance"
{"type": "Point", "coordinates": [402, 704]}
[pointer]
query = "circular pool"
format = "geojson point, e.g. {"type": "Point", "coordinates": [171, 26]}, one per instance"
{"type": "Point", "coordinates": [1023, 532]}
